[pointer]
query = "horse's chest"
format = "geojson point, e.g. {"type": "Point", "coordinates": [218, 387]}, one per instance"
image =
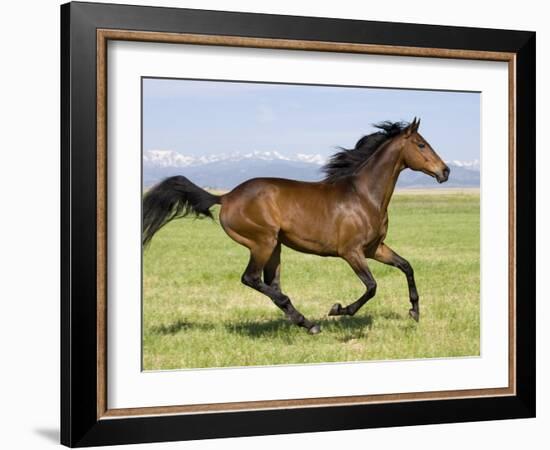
{"type": "Point", "coordinates": [376, 233]}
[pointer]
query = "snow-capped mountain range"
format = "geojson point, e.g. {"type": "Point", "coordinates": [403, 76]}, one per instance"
{"type": "Point", "coordinates": [171, 158]}
{"type": "Point", "coordinates": [226, 170]}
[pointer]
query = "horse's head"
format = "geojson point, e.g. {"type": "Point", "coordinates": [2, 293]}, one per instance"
{"type": "Point", "coordinates": [419, 155]}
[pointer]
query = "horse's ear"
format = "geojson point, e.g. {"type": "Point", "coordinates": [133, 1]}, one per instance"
{"type": "Point", "coordinates": [411, 128]}
{"type": "Point", "coordinates": [416, 125]}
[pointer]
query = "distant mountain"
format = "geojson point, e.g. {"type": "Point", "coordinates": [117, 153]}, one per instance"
{"type": "Point", "coordinates": [171, 158]}
{"type": "Point", "coordinates": [227, 170]}
{"type": "Point", "coordinates": [470, 165]}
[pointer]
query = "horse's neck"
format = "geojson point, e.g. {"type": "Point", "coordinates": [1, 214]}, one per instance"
{"type": "Point", "coordinates": [376, 180]}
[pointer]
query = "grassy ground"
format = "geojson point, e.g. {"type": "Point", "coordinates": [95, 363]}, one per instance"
{"type": "Point", "coordinates": [196, 313]}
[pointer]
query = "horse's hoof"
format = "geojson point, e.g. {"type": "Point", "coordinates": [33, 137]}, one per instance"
{"type": "Point", "coordinates": [315, 329]}
{"type": "Point", "coordinates": [336, 310]}
{"type": "Point", "coordinates": [414, 314]}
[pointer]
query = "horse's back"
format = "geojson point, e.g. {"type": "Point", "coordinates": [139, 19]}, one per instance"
{"type": "Point", "coordinates": [262, 184]}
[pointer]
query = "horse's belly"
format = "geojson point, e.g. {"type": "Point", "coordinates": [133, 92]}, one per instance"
{"type": "Point", "coordinates": [307, 244]}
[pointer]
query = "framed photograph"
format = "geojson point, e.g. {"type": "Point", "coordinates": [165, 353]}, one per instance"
{"type": "Point", "coordinates": [277, 224]}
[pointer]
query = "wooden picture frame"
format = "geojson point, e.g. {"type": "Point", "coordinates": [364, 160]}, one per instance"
{"type": "Point", "coordinates": [86, 418]}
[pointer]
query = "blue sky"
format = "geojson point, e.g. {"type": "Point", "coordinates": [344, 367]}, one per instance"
{"type": "Point", "coordinates": [209, 117]}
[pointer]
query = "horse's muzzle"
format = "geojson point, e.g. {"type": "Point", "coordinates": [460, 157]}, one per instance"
{"type": "Point", "coordinates": [443, 175]}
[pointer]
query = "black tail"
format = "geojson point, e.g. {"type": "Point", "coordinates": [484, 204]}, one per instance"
{"type": "Point", "coordinates": [173, 198]}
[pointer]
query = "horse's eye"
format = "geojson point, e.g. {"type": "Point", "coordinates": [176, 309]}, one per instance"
{"type": "Point", "coordinates": [422, 145]}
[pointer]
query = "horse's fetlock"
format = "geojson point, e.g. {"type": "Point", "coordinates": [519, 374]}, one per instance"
{"type": "Point", "coordinates": [297, 318]}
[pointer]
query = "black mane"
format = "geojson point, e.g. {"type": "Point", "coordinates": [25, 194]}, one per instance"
{"type": "Point", "coordinates": [346, 161]}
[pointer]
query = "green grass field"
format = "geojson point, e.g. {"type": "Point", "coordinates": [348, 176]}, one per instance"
{"type": "Point", "coordinates": [196, 312]}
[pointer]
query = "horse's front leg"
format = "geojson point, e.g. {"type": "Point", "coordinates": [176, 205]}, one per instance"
{"type": "Point", "coordinates": [386, 255]}
{"type": "Point", "coordinates": [357, 262]}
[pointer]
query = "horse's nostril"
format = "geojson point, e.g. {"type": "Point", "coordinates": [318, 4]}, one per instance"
{"type": "Point", "coordinates": [443, 175]}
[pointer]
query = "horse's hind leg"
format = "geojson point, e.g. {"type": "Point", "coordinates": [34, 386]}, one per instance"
{"type": "Point", "coordinates": [386, 255]}
{"type": "Point", "coordinates": [259, 259]}
{"type": "Point", "coordinates": [272, 270]}
{"type": "Point", "coordinates": [357, 262]}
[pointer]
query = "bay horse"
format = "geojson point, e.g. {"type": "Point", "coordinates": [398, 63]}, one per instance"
{"type": "Point", "coordinates": [344, 215]}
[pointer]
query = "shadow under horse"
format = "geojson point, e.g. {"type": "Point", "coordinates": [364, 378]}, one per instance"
{"type": "Point", "coordinates": [344, 215]}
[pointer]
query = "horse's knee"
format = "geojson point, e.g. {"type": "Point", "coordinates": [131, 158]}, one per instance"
{"type": "Point", "coordinates": [406, 268]}
{"type": "Point", "coordinates": [371, 288]}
